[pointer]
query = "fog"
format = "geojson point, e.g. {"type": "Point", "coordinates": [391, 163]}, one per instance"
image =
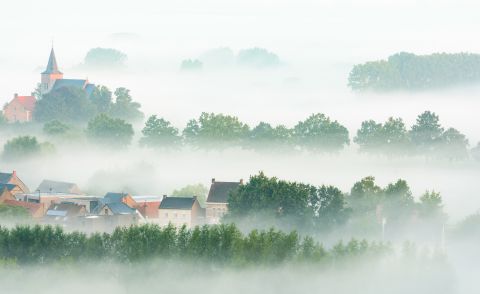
{"type": "Point", "coordinates": [318, 42]}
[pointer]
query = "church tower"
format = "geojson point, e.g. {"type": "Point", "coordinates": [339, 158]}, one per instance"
{"type": "Point", "coordinates": [51, 74]}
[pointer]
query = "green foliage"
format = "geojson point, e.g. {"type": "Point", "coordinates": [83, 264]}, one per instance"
{"type": "Point", "coordinates": [191, 65]}
{"type": "Point", "coordinates": [24, 147]}
{"type": "Point", "coordinates": [427, 137]}
{"type": "Point", "coordinates": [222, 245]}
{"type": "Point", "coordinates": [289, 202]}
{"type": "Point", "coordinates": [102, 99]}
{"type": "Point", "coordinates": [215, 131]}
{"type": "Point", "coordinates": [124, 107]}
{"type": "Point", "coordinates": [319, 133]}
{"type": "Point", "coordinates": [55, 128]}
{"type": "Point", "coordinates": [3, 120]}
{"type": "Point", "coordinates": [110, 131]}
{"type": "Point", "coordinates": [257, 58]}
{"type": "Point", "coordinates": [406, 71]}
{"type": "Point", "coordinates": [431, 205]}
{"type": "Point", "coordinates": [390, 138]}
{"type": "Point", "coordinates": [68, 104]}
{"type": "Point", "coordinates": [8, 212]}
{"type": "Point", "coordinates": [469, 228]}
{"type": "Point", "coordinates": [264, 137]}
{"type": "Point", "coordinates": [105, 58]}
{"type": "Point", "coordinates": [159, 133]}
{"type": "Point", "coordinates": [198, 190]}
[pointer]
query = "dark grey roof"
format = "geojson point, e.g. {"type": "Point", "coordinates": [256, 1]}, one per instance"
{"type": "Point", "coordinates": [219, 191]}
{"type": "Point", "coordinates": [56, 186]}
{"type": "Point", "coordinates": [9, 187]}
{"type": "Point", "coordinates": [184, 203]}
{"type": "Point", "coordinates": [63, 83]}
{"type": "Point", "coordinates": [120, 208]}
{"type": "Point", "coordinates": [111, 197]}
{"type": "Point", "coordinates": [5, 177]}
{"type": "Point", "coordinates": [52, 67]}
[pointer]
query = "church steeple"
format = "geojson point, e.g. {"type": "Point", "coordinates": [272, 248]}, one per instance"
{"type": "Point", "coordinates": [52, 67]}
{"type": "Point", "coordinates": [51, 74]}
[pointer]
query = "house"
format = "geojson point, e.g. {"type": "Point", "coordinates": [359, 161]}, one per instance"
{"type": "Point", "coordinates": [148, 206]}
{"type": "Point", "coordinates": [217, 200]}
{"type": "Point", "coordinates": [36, 210]}
{"type": "Point", "coordinates": [58, 187]}
{"type": "Point", "coordinates": [64, 212]}
{"type": "Point", "coordinates": [6, 192]}
{"type": "Point", "coordinates": [20, 109]}
{"type": "Point", "coordinates": [12, 178]}
{"type": "Point", "coordinates": [52, 79]}
{"type": "Point", "coordinates": [180, 211]}
{"type": "Point", "coordinates": [120, 197]}
{"type": "Point", "coordinates": [114, 214]}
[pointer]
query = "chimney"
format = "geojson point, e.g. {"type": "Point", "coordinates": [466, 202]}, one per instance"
{"type": "Point", "coordinates": [241, 181]}
{"type": "Point", "coordinates": [14, 173]}
{"type": "Point", "coordinates": [15, 95]}
{"type": "Point", "coordinates": [213, 180]}
{"type": "Point", "coordinates": [164, 196]}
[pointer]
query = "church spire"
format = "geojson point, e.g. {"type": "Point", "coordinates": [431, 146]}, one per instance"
{"type": "Point", "coordinates": [52, 67]}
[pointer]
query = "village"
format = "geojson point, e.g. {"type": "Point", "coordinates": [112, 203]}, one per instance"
{"type": "Point", "coordinates": [64, 204]}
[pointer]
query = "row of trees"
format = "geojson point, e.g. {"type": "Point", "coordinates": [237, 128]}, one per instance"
{"type": "Point", "coordinates": [407, 71]}
{"type": "Point", "coordinates": [217, 131]}
{"type": "Point", "coordinates": [73, 105]}
{"type": "Point", "coordinates": [323, 208]}
{"type": "Point", "coordinates": [219, 245]}
{"type": "Point", "coordinates": [425, 137]}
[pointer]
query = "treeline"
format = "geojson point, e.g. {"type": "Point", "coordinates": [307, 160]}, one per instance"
{"type": "Point", "coordinates": [217, 245]}
{"type": "Point", "coordinates": [426, 137]}
{"type": "Point", "coordinates": [317, 133]}
{"type": "Point", "coordinates": [365, 208]}
{"type": "Point", "coordinates": [407, 71]}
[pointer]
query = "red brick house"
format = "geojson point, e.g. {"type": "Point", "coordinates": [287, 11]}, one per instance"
{"type": "Point", "coordinates": [20, 109]}
{"type": "Point", "coordinates": [12, 178]}
{"type": "Point", "coordinates": [36, 210]}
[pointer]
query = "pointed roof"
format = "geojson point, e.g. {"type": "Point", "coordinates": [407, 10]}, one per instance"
{"type": "Point", "coordinates": [52, 67]}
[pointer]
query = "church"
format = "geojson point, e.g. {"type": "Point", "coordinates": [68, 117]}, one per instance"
{"type": "Point", "coordinates": [21, 108]}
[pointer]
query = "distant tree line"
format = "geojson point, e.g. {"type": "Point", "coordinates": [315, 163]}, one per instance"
{"type": "Point", "coordinates": [407, 71]}
{"type": "Point", "coordinates": [222, 245]}
{"type": "Point", "coordinates": [324, 208]}
{"type": "Point", "coordinates": [317, 134]}
{"type": "Point", "coordinates": [426, 137]}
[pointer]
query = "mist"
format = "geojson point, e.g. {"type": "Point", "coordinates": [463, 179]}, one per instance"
{"type": "Point", "coordinates": [317, 43]}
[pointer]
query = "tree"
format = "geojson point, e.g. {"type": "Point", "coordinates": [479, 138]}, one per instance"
{"type": "Point", "coordinates": [407, 71]}
{"type": "Point", "coordinates": [102, 99]}
{"type": "Point", "coordinates": [215, 131]}
{"type": "Point", "coordinates": [191, 65]}
{"type": "Point", "coordinates": [319, 133]}
{"type": "Point", "coordinates": [369, 136]}
{"type": "Point", "coordinates": [365, 195]}
{"type": "Point", "coordinates": [330, 207]}
{"type": "Point", "coordinates": [3, 120]}
{"type": "Point", "coordinates": [24, 147]}
{"type": "Point", "coordinates": [265, 137]}
{"type": "Point", "coordinates": [426, 133]}
{"type": "Point", "coordinates": [105, 58]}
{"type": "Point", "coordinates": [453, 144]}
{"type": "Point", "coordinates": [257, 58]}
{"type": "Point", "coordinates": [431, 206]}
{"type": "Point", "coordinates": [55, 128]}
{"type": "Point", "coordinates": [110, 131]}
{"type": "Point", "coordinates": [398, 202]}
{"type": "Point", "coordinates": [159, 133]}
{"type": "Point", "coordinates": [198, 190]}
{"type": "Point", "coordinates": [288, 203]}
{"type": "Point", "coordinates": [67, 104]}
{"type": "Point", "coordinates": [124, 107]}
{"type": "Point", "coordinates": [390, 138]}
